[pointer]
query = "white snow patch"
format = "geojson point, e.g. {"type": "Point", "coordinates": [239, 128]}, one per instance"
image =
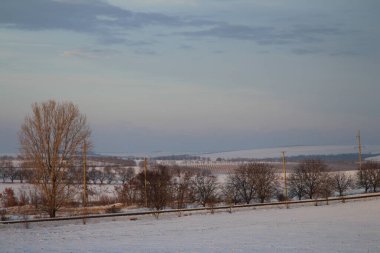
{"type": "Point", "coordinates": [374, 158]}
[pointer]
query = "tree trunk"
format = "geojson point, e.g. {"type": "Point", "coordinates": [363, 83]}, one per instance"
{"type": "Point", "coordinates": [52, 212]}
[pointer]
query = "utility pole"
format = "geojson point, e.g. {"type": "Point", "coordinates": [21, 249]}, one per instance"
{"type": "Point", "coordinates": [360, 150]}
{"type": "Point", "coordinates": [285, 179]}
{"type": "Point", "coordinates": [84, 181]}
{"type": "Point", "coordinates": [145, 167]}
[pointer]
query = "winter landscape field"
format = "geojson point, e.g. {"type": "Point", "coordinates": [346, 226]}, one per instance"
{"type": "Point", "coordinates": [189, 126]}
{"type": "Point", "coordinates": [351, 227]}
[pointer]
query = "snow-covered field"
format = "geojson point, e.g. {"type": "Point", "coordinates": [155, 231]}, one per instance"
{"type": "Point", "coordinates": [374, 158]}
{"type": "Point", "coordinates": [350, 227]}
{"type": "Point", "coordinates": [267, 152]}
{"type": "Point", "coordinates": [294, 151]}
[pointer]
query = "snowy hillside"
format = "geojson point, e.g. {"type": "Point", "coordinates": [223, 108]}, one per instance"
{"type": "Point", "coordinates": [374, 158]}
{"type": "Point", "coordinates": [293, 151]}
{"type": "Point", "coordinates": [353, 227]}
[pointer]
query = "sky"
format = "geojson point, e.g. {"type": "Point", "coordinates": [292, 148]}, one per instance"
{"type": "Point", "coordinates": [195, 75]}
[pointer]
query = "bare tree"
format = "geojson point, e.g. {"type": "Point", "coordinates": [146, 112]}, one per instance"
{"type": "Point", "coordinates": [22, 174]}
{"type": "Point", "coordinates": [374, 176]}
{"type": "Point", "coordinates": [342, 182]}
{"type": "Point", "coordinates": [230, 192]}
{"type": "Point", "coordinates": [204, 188]}
{"type": "Point", "coordinates": [306, 178]}
{"type": "Point", "coordinates": [363, 180]}
{"type": "Point", "coordinates": [181, 185]}
{"type": "Point", "coordinates": [326, 186]}
{"type": "Point", "coordinates": [128, 192]}
{"type": "Point", "coordinates": [4, 172]}
{"type": "Point", "coordinates": [51, 138]}
{"type": "Point", "coordinates": [26, 172]}
{"type": "Point", "coordinates": [158, 186]}
{"type": "Point", "coordinates": [243, 182]}
{"type": "Point", "coordinates": [125, 174]}
{"type": "Point", "coordinates": [92, 174]}
{"type": "Point", "coordinates": [101, 175]}
{"type": "Point", "coordinates": [369, 176]}
{"type": "Point", "coordinates": [297, 184]}
{"type": "Point", "coordinates": [109, 174]}
{"type": "Point", "coordinates": [12, 172]}
{"type": "Point", "coordinates": [265, 180]}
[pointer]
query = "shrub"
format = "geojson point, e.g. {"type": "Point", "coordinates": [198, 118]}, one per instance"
{"type": "Point", "coordinates": [9, 199]}
{"type": "Point", "coordinates": [113, 209]}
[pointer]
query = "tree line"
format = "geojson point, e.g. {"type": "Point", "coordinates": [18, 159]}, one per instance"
{"type": "Point", "coordinates": [164, 186]}
{"type": "Point", "coordinates": [55, 135]}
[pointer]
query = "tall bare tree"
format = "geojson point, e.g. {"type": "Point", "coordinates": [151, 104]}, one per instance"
{"type": "Point", "coordinates": [51, 138]}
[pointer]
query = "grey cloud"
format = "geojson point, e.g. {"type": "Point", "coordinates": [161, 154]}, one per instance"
{"type": "Point", "coordinates": [110, 24]}
{"type": "Point", "coordinates": [345, 53]}
{"type": "Point", "coordinates": [304, 51]}
{"type": "Point", "coordinates": [96, 17]}
{"type": "Point", "coordinates": [306, 39]}
{"type": "Point", "coordinates": [266, 34]}
{"type": "Point", "coordinates": [145, 52]}
{"type": "Point", "coordinates": [90, 53]}
{"type": "Point", "coordinates": [185, 47]}
{"type": "Point", "coordinates": [45, 14]}
{"type": "Point", "coordinates": [233, 31]}
{"type": "Point", "coordinates": [218, 51]}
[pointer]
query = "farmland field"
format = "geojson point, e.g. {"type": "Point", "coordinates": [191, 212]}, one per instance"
{"type": "Point", "coordinates": [350, 227]}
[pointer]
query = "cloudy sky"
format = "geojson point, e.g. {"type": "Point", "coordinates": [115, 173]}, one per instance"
{"type": "Point", "coordinates": [195, 75]}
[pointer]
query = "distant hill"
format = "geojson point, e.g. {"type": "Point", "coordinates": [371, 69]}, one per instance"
{"type": "Point", "coordinates": [340, 152]}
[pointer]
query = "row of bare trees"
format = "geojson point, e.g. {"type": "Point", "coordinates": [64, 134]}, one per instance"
{"type": "Point", "coordinates": [259, 182]}
{"type": "Point", "coordinates": [162, 186]}
{"type": "Point", "coordinates": [251, 181]}
{"type": "Point", "coordinates": [311, 179]}
{"type": "Point", "coordinates": [10, 173]}
{"type": "Point", "coordinates": [178, 187]}
{"type": "Point", "coordinates": [109, 174]}
{"type": "Point", "coordinates": [369, 176]}
{"type": "Point", "coordinates": [95, 175]}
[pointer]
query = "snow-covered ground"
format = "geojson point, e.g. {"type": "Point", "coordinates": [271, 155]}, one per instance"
{"type": "Point", "coordinates": [265, 152]}
{"type": "Point", "coordinates": [294, 151]}
{"type": "Point", "coordinates": [374, 158]}
{"type": "Point", "coordinates": [350, 227]}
